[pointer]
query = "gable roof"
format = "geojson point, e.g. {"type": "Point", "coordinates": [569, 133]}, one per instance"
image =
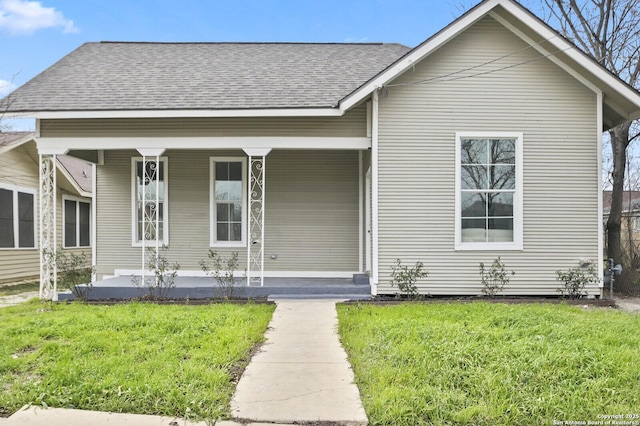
{"type": "Point", "coordinates": [116, 79]}
{"type": "Point", "coordinates": [621, 102]}
{"type": "Point", "coordinates": [111, 76]}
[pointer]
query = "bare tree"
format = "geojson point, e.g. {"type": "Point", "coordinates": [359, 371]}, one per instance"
{"type": "Point", "coordinates": [609, 31]}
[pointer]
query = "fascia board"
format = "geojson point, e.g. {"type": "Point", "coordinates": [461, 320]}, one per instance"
{"type": "Point", "coordinates": [28, 138]}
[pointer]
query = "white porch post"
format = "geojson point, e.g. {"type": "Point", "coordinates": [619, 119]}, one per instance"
{"type": "Point", "coordinates": [48, 228]}
{"type": "Point", "coordinates": [150, 209]}
{"type": "Point", "coordinates": [255, 215]}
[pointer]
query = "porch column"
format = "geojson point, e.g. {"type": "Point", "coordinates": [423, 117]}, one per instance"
{"type": "Point", "coordinates": [150, 209]}
{"type": "Point", "coordinates": [255, 215]}
{"type": "Point", "coordinates": [48, 227]}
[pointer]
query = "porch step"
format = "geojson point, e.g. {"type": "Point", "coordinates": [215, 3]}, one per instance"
{"type": "Point", "coordinates": [320, 296]}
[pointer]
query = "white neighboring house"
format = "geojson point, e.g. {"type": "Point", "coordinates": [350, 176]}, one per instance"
{"type": "Point", "coordinates": [19, 206]}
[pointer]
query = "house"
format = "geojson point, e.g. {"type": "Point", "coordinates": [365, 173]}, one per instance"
{"type": "Point", "coordinates": [19, 204]}
{"type": "Point", "coordinates": [328, 160]}
{"type": "Point", "coordinates": [630, 225]}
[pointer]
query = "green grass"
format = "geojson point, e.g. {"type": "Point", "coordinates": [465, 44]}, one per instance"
{"type": "Point", "coordinates": [490, 364]}
{"type": "Point", "coordinates": [11, 289]}
{"type": "Point", "coordinates": [136, 358]}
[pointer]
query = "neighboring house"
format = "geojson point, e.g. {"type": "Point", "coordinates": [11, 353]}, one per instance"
{"type": "Point", "coordinates": [326, 160]}
{"type": "Point", "coordinates": [19, 201]}
{"type": "Point", "coordinates": [630, 224]}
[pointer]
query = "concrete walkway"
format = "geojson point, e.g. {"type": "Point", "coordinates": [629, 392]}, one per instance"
{"type": "Point", "coordinates": [302, 373]}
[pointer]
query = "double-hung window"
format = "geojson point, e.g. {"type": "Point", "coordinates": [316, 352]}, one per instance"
{"type": "Point", "coordinates": [228, 201]}
{"type": "Point", "coordinates": [150, 197]}
{"type": "Point", "coordinates": [77, 223]}
{"type": "Point", "coordinates": [489, 191]}
{"type": "Point", "coordinates": [17, 218]}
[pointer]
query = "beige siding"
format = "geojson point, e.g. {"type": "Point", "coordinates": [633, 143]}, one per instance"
{"type": "Point", "coordinates": [19, 167]}
{"type": "Point", "coordinates": [417, 146]}
{"type": "Point", "coordinates": [352, 124]}
{"type": "Point", "coordinates": [311, 210]}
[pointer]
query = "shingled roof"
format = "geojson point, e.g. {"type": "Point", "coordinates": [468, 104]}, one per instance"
{"type": "Point", "coordinates": [111, 76]}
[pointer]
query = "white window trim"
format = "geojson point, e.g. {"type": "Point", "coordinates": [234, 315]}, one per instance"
{"type": "Point", "coordinates": [212, 210]}
{"type": "Point", "coordinates": [77, 200]}
{"type": "Point", "coordinates": [517, 244]}
{"type": "Point", "coordinates": [165, 210]}
{"type": "Point", "coordinates": [16, 223]}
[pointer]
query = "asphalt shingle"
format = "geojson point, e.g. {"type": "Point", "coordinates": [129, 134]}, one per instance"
{"type": "Point", "coordinates": [179, 76]}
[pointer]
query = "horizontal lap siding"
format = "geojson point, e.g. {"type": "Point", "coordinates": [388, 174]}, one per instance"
{"type": "Point", "coordinates": [20, 167]}
{"type": "Point", "coordinates": [352, 124]}
{"type": "Point", "coordinates": [417, 162]}
{"type": "Point", "coordinates": [311, 210]}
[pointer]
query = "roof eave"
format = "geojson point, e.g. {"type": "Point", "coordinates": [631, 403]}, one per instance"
{"type": "Point", "coordinates": [194, 113]}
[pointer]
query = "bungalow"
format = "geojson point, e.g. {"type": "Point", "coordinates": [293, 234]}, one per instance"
{"type": "Point", "coordinates": [19, 201]}
{"type": "Point", "coordinates": [330, 159]}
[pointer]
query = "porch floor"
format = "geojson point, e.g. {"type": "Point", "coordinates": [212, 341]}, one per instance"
{"type": "Point", "coordinates": [122, 287]}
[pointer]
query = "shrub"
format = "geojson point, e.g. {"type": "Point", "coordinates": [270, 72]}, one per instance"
{"type": "Point", "coordinates": [226, 284]}
{"type": "Point", "coordinates": [73, 272]}
{"type": "Point", "coordinates": [575, 280]}
{"type": "Point", "coordinates": [405, 278]}
{"type": "Point", "coordinates": [163, 280]}
{"type": "Point", "coordinates": [495, 278]}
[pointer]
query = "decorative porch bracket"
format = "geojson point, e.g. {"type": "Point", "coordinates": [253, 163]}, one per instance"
{"type": "Point", "coordinates": [48, 228]}
{"type": "Point", "coordinates": [255, 211]}
{"type": "Point", "coordinates": [149, 204]}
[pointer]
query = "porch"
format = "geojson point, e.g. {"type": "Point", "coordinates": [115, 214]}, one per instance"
{"type": "Point", "coordinates": [122, 287]}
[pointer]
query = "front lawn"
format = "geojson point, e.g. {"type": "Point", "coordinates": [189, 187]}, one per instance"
{"type": "Point", "coordinates": [489, 364]}
{"type": "Point", "coordinates": [137, 358]}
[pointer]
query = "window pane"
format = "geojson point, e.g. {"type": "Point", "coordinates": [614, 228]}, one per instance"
{"type": "Point", "coordinates": [500, 204]}
{"type": "Point", "coordinates": [69, 223]}
{"type": "Point", "coordinates": [475, 151]}
{"type": "Point", "coordinates": [222, 170]}
{"type": "Point", "coordinates": [235, 190]}
{"type": "Point", "coordinates": [237, 212]}
{"type": "Point", "coordinates": [474, 177]}
{"type": "Point", "coordinates": [222, 190]}
{"type": "Point", "coordinates": [503, 151]}
{"type": "Point", "coordinates": [6, 218]}
{"type": "Point", "coordinates": [474, 230]}
{"type": "Point", "coordinates": [235, 171]}
{"type": "Point", "coordinates": [222, 212]}
{"type": "Point", "coordinates": [85, 224]}
{"type": "Point", "coordinates": [236, 232]}
{"type": "Point", "coordinates": [222, 232]}
{"type": "Point", "coordinates": [26, 220]}
{"type": "Point", "coordinates": [503, 177]}
{"type": "Point", "coordinates": [473, 204]}
{"type": "Point", "coordinates": [500, 230]}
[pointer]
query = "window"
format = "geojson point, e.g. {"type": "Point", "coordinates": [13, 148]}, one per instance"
{"type": "Point", "coordinates": [17, 218]}
{"type": "Point", "coordinates": [488, 191]}
{"type": "Point", "coordinates": [228, 201]}
{"type": "Point", "coordinates": [150, 183]}
{"type": "Point", "coordinates": [77, 220]}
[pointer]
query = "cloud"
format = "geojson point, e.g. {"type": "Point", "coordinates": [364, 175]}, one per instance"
{"type": "Point", "coordinates": [6, 87]}
{"type": "Point", "coordinates": [26, 17]}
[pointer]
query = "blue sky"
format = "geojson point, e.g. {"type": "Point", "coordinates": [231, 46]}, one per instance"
{"type": "Point", "coordinates": [35, 34]}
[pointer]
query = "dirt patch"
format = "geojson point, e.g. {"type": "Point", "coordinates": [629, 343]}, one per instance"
{"type": "Point", "coordinates": [392, 300]}
{"type": "Point", "coordinates": [17, 298]}
{"type": "Point", "coordinates": [628, 304]}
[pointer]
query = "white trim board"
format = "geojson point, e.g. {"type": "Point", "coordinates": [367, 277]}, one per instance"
{"type": "Point", "coordinates": [63, 145]}
{"type": "Point", "coordinates": [266, 112]}
{"type": "Point", "coordinates": [241, 274]}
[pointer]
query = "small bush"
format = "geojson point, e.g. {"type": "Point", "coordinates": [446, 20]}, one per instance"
{"type": "Point", "coordinates": [495, 278]}
{"type": "Point", "coordinates": [163, 280]}
{"type": "Point", "coordinates": [226, 284]}
{"type": "Point", "coordinates": [73, 272]}
{"type": "Point", "coordinates": [575, 280]}
{"type": "Point", "coordinates": [405, 278]}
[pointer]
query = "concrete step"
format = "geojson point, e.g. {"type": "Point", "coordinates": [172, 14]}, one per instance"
{"type": "Point", "coordinates": [320, 296]}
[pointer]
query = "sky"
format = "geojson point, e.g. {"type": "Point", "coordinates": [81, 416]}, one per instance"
{"type": "Point", "coordinates": [36, 34]}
